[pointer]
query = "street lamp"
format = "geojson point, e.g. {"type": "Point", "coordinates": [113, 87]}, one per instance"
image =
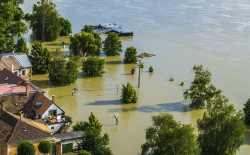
{"type": "Point", "coordinates": [74, 91]}
{"type": "Point", "coordinates": [139, 72]}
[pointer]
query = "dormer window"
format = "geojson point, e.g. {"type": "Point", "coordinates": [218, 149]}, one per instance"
{"type": "Point", "coordinates": [38, 105]}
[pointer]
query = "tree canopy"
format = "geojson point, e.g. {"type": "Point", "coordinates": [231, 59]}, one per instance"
{"type": "Point", "coordinates": [98, 39]}
{"type": "Point", "coordinates": [112, 44]}
{"type": "Point", "coordinates": [22, 46]}
{"type": "Point", "coordinates": [246, 110]}
{"type": "Point", "coordinates": [93, 66]}
{"type": "Point", "coordinates": [93, 142]}
{"type": "Point", "coordinates": [8, 28]}
{"type": "Point", "coordinates": [84, 44]}
{"type": "Point", "coordinates": [129, 94]}
{"type": "Point", "coordinates": [26, 148]}
{"type": "Point", "coordinates": [93, 124]}
{"type": "Point", "coordinates": [66, 27]}
{"type": "Point", "coordinates": [45, 13]}
{"type": "Point", "coordinates": [201, 90]}
{"type": "Point", "coordinates": [130, 55]}
{"type": "Point", "coordinates": [168, 136]}
{"type": "Point", "coordinates": [83, 152]}
{"type": "Point", "coordinates": [45, 146]}
{"type": "Point", "coordinates": [62, 71]}
{"type": "Point", "coordinates": [221, 128]}
{"type": "Point", "coordinates": [40, 58]}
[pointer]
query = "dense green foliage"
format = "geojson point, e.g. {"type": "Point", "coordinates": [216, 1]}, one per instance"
{"type": "Point", "coordinates": [171, 79]}
{"type": "Point", "coordinates": [112, 44]}
{"type": "Point", "coordinates": [98, 39]}
{"type": "Point", "coordinates": [15, 2]}
{"type": "Point", "coordinates": [45, 146]}
{"type": "Point", "coordinates": [130, 55]}
{"type": "Point", "coordinates": [201, 91]}
{"type": "Point", "coordinates": [93, 124]}
{"type": "Point", "coordinates": [84, 44]}
{"type": "Point", "coordinates": [246, 110]}
{"type": "Point", "coordinates": [128, 94]}
{"type": "Point", "coordinates": [27, 16]}
{"type": "Point", "coordinates": [83, 152]}
{"type": "Point", "coordinates": [19, 15]}
{"type": "Point", "coordinates": [93, 66]}
{"type": "Point", "coordinates": [45, 11]}
{"type": "Point", "coordinates": [69, 119]}
{"type": "Point", "coordinates": [40, 58]}
{"type": "Point", "coordinates": [182, 84]}
{"type": "Point", "coordinates": [8, 28]}
{"type": "Point", "coordinates": [21, 46]}
{"type": "Point", "coordinates": [221, 128]}
{"type": "Point", "coordinates": [93, 142]}
{"type": "Point", "coordinates": [167, 136]}
{"type": "Point", "coordinates": [66, 27]}
{"type": "Point", "coordinates": [63, 72]}
{"type": "Point", "coordinates": [151, 69]}
{"type": "Point", "coordinates": [26, 148]}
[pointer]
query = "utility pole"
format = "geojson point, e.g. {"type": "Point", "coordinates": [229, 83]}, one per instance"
{"type": "Point", "coordinates": [139, 73]}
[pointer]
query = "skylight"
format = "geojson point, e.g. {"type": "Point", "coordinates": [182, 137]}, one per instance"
{"type": "Point", "coordinates": [6, 78]}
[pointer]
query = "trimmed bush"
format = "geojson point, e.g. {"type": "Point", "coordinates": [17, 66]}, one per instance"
{"type": "Point", "coordinates": [26, 148]}
{"type": "Point", "coordinates": [151, 69]}
{"type": "Point", "coordinates": [45, 146]}
{"type": "Point", "coordinates": [83, 152]}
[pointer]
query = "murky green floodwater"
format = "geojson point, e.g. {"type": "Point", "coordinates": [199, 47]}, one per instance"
{"type": "Point", "coordinates": [181, 34]}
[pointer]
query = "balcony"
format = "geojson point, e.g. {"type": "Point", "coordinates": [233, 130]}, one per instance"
{"type": "Point", "coordinates": [55, 120]}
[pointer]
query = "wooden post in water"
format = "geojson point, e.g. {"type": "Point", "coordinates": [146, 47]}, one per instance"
{"type": "Point", "coordinates": [139, 73]}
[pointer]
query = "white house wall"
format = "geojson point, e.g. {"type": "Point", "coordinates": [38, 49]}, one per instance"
{"type": "Point", "coordinates": [56, 127]}
{"type": "Point", "coordinates": [52, 107]}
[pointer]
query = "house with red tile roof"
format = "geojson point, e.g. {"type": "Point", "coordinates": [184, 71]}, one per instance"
{"type": "Point", "coordinates": [16, 129]}
{"type": "Point", "coordinates": [20, 95]}
{"type": "Point", "coordinates": [17, 63]}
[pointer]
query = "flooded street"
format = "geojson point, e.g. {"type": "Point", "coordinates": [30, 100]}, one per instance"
{"type": "Point", "coordinates": [180, 34]}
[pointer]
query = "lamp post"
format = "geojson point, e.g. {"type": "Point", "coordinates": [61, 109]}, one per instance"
{"type": "Point", "coordinates": [139, 72]}
{"type": "Point", "coordinates": [117, 89]}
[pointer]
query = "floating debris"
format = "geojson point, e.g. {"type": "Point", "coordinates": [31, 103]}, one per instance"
{"type": "Point", "coordinates": [112, 27]}
{"type": "Point", "coordinates": [145, 55]}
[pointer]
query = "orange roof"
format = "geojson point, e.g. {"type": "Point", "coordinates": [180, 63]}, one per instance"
{"type": "Point", "coordinates": [5, 89]}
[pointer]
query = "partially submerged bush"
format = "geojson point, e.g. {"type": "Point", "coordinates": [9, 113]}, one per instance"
{"type": "Point", "coordinates": [171, 79]}
{"type": "Point", "coordinates": [151, 69]}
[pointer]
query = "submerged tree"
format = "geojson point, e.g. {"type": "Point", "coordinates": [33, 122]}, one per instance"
{"type": "Point", "coordinates": [66, 27]}
{"type": "Point", "coordinates": [130, 55]}
{"type": "Point", "coordinates": [201, 90]}
{"type": "Point", "coordinates": [112, 44]}
{"type": "Point", "coordinates": [221, 128]}
{"type": "Point", "coordinates": [40, 58]}
{"type": "Point", "coordinates": [98, 39]}
{"type": "Point", "coordinates": [167, 136]}
{"type": "Point", "coordinates": [45, 20]}
{"type": "Point", "coordinates": [62, 71]}
{"type": "Point", "coordinates": [129, 94]}
{"type": "Point", "coordinates": [84, 44]}
{"type": "Point", "coordinates": [93, 66]}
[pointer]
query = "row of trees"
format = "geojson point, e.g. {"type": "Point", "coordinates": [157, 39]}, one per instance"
{"type": "Point", "coordinates": [220, 130]}
{"type": "Point", "coordinates": [27, 148]}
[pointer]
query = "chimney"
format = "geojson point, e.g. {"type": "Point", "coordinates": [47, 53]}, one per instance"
{"type": "Point", "coordinates": [21, 115]}
{"type": "Point", "coordinates": [3, 106]}
{"type": "Point", "coordinates": [27, 89]}
{"type": "Point", "coordinates": [53, 98]}
{"type": "Point", "coordinates": [12, 68]}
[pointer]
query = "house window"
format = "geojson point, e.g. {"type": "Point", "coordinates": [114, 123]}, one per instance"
{"type": "Point", "coordinates": [52, 127]}
{"type": "Point", "coordinates": [16, 72]}
{"type": "Point", "coordinates": [53, 113]}
{"type": "Point", "coordinates": [24, 72]}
